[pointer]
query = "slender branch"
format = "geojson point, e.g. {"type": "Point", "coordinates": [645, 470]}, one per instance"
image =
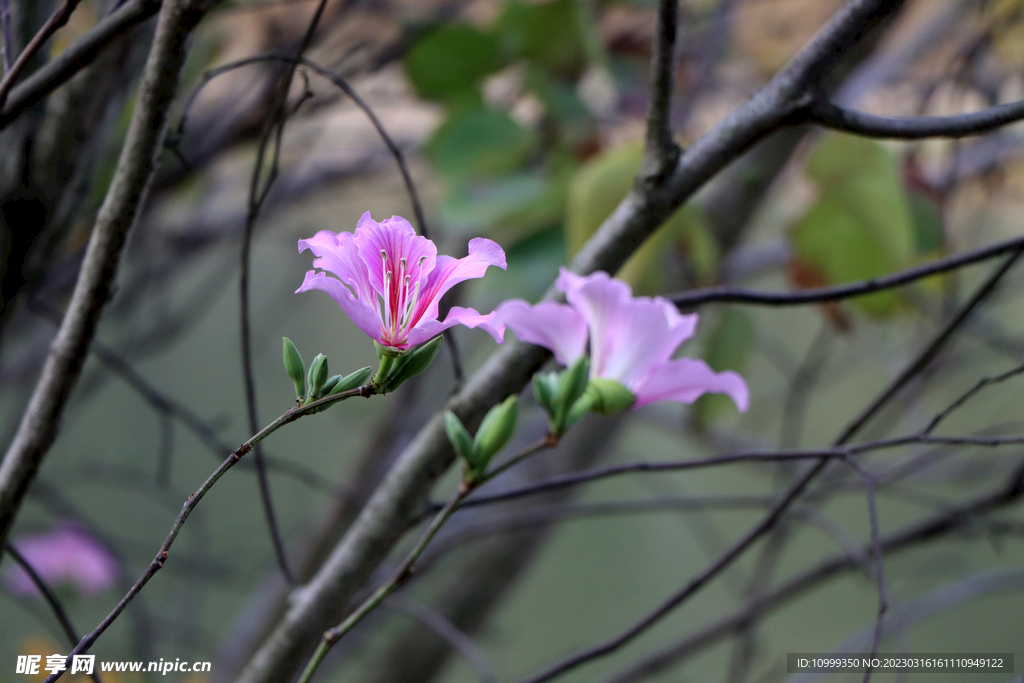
{"type": "Point", "coordinates": [119, 212]}
{"type": "Point", "coordinates": [274, 130]}
{"type": "Point", "coordinates": [58, 18]}
{"type": "Point", "coordinates": [739, 295]}
{"type": "Point", "coordinates": [830, 115]}
{"type": "Point", "coordinates": [660, 151]}
{"type": "Point", "coordinates": [450, 632]}
{"type": "Point", "coordinates": [75, 57]}
{"type": "Point", "coordinates": [948, 520]}
{"type": "Point", "coordinates": [48, 595]}
{"type": "Point", "coordinates": [405, 570]}
{"type": "Point", "coordinates": [969, 394]}
{"type": "Point", "coordinates": [929, 352]}
{"type": "Point", "coordinates": [193, 499]}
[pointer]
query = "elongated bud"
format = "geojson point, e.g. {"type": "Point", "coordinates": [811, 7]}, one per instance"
{"type": "Point", "coordinates": [295, 368]}
{"type": "Point", "coordinates": [396, 368]}
{"type": "Point", "coordinates": [495, 431]}
{"type": "Point", "coordinates": [609, 397]}
{"type": "Point", "coordinates": [544, 386]}
{"type": "Point", "coordinates": [329, 385]}
{"type": "Point", "coordinates": [356, 379]}
{"type": "Point", "coordinates": [462, 442]}
{"type": "Point", "coordinates": [571, 386]}
{"type": "Point", "coordinates": [317, 376]}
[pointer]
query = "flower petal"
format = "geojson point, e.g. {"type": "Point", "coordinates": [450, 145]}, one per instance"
{"type": "Point", "coordinates": [338, 253]}
{"type": "Point", "coordinates": [362, 314]}
{"type": "Point", "coordinates": [396, 238]}
{"type": "Point", "coordinates": [66, 554]}
{"type": "Point", "coordinates": [554, 326]}
{"type": "Point", "coordinates": [685, 380]}
{"type": "Point", "coordinates": [627, 335]}
{"type": "Point", "coordinates": [458, 316]}
{"type": "Point", "coordinates": [449, 272]}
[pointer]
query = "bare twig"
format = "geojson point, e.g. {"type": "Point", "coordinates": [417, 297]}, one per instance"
{"type": "Point", "coordinates": [116, 216]}
{"type": "Point", "coordinates": [59, 17]}
{"type": "Point", "coordinates": [55, 605]}
{"type": "Point", "coordinates": [193, 499]}
{"type": "Point", "coordinates": [833, 116]}
{"type": "Point", "coordinates": [739, 295]}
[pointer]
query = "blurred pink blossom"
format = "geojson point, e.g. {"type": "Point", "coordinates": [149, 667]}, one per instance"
{"type": "Point", "coordinates": [632, 339]}
{"type": "Point", "coordinates": [389, 280]}
{"type": "Point", "coordinates": [68, 554]}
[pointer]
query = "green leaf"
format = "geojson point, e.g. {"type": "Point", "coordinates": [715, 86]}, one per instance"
{"type": "Point", "coordinates": [596, 190]}
{"type": "Point", "coordinates": [294, 366]}
{"type": "Point", "coordinates": [449, 62]}
{"type": "Point", "coordinates": [550, 35]}
{"type": "Point", "coordinates": [861, 226]}
{"type": "Point", "coordinates": [479, 141]}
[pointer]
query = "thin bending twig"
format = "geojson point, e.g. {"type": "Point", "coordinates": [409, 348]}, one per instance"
{"type": "Point", "coordinates": [437, 623]}
{"type": "Point", "coordinates": [48, 595]}
{"type": "Point", "coordinates": [969, 394]}
{"type": "Point", "coordinates": [193, 499]}
{"type": "Point", "coordinates": [274, 130]}
{"type": "Point", "coordinates": [833, 116]}
{"type": "Point", "coordinates": [929, 352]}
{"type": "Point", "coordinates": [740, 295]}
{"type": "Point", "coordinates": [58, 18]}
{"type": "Point", "coordinates": [879, 559]}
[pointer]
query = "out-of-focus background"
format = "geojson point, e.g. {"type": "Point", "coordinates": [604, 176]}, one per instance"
{"type": "Point", "coordinates": [522, 121]}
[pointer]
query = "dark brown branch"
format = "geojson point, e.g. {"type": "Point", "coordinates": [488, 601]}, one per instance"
{"type": "Point", "coordinates": [59, 17]}
{"type": "Point", "coordinates": [833, 116]}
{"type": "Point", "coordinates": [660, 151]}
{"type": "Point", "coordinates": [739, 295]}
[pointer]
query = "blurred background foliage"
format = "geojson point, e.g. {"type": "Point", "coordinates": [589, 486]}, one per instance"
{"type": "Point", "coordinates": [523, 121]}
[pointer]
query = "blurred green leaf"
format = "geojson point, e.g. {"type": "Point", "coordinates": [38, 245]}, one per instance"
{"type": "Point", "coordinates": [927, 221]}
{"type": "Point", "coordinates": [861, 227]}
{"type": "Point", "coordinates": [548, 34]}
{"type": "Point", "coordinates": [595, 191]}
{"type": "Point", "coordinates": [479, 141]}
{"type": "Point", "coordinates": [449, 62]}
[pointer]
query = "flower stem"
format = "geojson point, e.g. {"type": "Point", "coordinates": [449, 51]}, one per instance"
{"type": "Point", "coordinates": [405, 570]}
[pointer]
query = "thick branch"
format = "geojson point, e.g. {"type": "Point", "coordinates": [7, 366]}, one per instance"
{"type": "Point", "coordinates": [116, 216]}
{"type": "Point", "coordinates": [661, 152]}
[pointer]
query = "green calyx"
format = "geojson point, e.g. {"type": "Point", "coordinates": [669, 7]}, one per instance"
{"type": "Point", "coordinates": [396, 367]}
{"type": "Point", "coordinates": [608, 397]}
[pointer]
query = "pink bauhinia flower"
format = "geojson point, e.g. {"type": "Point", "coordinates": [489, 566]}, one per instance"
{"type": "Point", "coordinates": [68, 554]}
{"type": "Point", "coordinates": [632, 339]}
{"type": "Point", "coordinates": [389, 280]}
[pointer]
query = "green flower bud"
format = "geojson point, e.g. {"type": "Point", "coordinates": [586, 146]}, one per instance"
{"type": "Point", "coordinates": [461, 441]}
{"type": "Point", "coordinates": [544, 386]}
{"type": "Point", "coordinates": [329, 385]}
{"type": "Point", "coordinates": [494, 433]}
{"type": "Point", "coordinates": [317, 376]}
{"type": "Point", "coordinates": [610, 397]}
{"type": "Point", "coordinates": [356, 379]}
{"type": "Point", "coordinates": [295, 368]}
{"type": "Point", "coordinates": [571, 385]}
{"type": "Point", "coordinates": [398, 367]}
